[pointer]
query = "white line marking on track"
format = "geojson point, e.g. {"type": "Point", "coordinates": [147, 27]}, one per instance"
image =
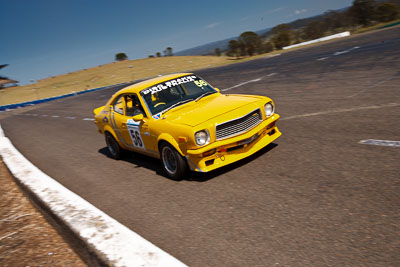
{"type": "Point", "coordinates": [55, 116]}
{"type": "Point", "coordinates": [71, 118]}
{"type": "Point", "coordinates": [272, 56]}
{"type": "Point", "coordinates": [380, 142]}
{"type": "Point", "coordinates": [373, 86]}
{"type": "Point", "coordinates": [341, 52]}
{"type": "Point", "coordinates": [88, 119]}
{"type": "Point", "coordinates": [251, 81]}
{"type": "Point", "coordinates": [340, 111]}
{"type": "Point", "coordinates": [240, 84]}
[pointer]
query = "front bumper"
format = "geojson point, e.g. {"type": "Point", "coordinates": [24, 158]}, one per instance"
{"type": "Point", "coordinates": [233, 149]}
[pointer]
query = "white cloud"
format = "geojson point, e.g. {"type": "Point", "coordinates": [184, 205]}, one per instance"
{"type": "Point", "coordinates": [212, 25]}
{"type": "Point", "coordinates": [297, 12]}
{"type": "Point", "coordinates": [275, 10]}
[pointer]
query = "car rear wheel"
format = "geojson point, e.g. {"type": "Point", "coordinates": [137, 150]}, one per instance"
{"type": "Point", "coordinates": [113, 146]}
{"type": "Point", "coordinates": [173, 163]}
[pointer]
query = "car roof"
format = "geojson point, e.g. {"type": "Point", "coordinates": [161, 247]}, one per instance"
{"type": "Point", "coordinates": [137, 87]}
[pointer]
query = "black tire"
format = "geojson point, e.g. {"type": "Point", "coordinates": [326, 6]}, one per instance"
{"type": "Point", "coordinates": [174, 165]}
{"type": "Point", "coordinates": [113, 147]}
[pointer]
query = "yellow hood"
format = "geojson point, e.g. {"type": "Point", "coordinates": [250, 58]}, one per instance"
{"type": "Point", "coordinates": [195, 113]}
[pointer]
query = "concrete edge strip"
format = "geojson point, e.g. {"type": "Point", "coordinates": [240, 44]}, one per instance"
{"type": "Point", "coordinates": [330, 37]}
{"type": "Point", "coordinates": [111, 241]}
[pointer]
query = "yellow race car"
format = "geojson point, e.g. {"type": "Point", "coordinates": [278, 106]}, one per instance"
{"type": "Point", "coordinates": [185, 122]}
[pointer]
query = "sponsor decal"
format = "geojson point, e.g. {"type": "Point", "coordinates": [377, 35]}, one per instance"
{"type": "Point", "coordinates": [168, 84]}
{"type": "Point", "coordinates": [157, 116]}
{"type": "Point", "coordinates": [105, 119]}
{"type": "Point", "coordinates": [200, 83]}
{"type": "Point", "coordinates": [131, 122]}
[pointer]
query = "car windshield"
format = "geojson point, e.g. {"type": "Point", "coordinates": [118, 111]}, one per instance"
{"type": "Point", "coordinates": [162, 96]}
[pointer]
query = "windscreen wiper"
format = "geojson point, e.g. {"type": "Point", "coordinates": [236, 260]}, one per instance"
{"type": "Point", "coordinates": [175, 105]}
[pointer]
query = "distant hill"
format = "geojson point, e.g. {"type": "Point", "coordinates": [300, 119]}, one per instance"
{"type": "Point", "coordinates": [209, 49]}
{"type": "Point", "coordinates": [205, 49]}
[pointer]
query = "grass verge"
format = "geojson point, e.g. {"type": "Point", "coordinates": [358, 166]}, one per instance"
{"type": "Point", "coordinates": [26, 237]}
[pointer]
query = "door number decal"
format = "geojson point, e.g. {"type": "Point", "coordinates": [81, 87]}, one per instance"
{"type": "Point", "coordinates": [134, 132]}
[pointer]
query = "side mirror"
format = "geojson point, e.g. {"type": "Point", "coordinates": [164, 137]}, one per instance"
{"type": "Point", "coordinates": [217, 90]}
{"type": "Point", "coordinates": [138, 117]}
{"type": "Point", "coordinates": [111, 108]}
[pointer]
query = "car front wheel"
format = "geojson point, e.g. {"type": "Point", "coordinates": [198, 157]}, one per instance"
{"type": "Point", "coordinates": [173, 163]}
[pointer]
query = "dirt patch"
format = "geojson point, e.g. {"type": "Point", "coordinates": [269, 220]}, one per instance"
{"type": "Point", "coordinates": [26, 237]}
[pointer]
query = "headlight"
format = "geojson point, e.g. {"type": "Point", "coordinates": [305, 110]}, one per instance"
{"type": "Point", "coordinates": [269, 109]}
{"type": "Point", "coordinates": [202, 137]}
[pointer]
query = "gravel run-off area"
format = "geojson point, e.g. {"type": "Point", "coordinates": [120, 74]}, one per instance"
{"type": "Point", "coordinates": [26, 236]}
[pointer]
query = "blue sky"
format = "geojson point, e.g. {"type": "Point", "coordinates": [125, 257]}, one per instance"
{"type": "Point", "coordinates": [43, 38]}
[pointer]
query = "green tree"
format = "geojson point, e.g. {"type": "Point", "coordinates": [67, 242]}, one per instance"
{"type": "Point", "coordinates": [362, 11]}
{"type": "Point", "coordinates": [121, 57]}
{"type": "Point", "coordinates": [242, 49]}
{"type": "Point", "coordinates": [386, 12]}
{"type": "Point", "coordinates": [334, 20]}
{"type": "Point", "coordinates": [283, 36]}
{"type": "Point", "coordinates": [151, 56]}
{"type": "Point", "coordinates": [217, 52]}
{"type": "Point", "coordinates": [281, 28]}
{"type": "Point", "coordinates": [282, 39]}
{"type": "Point", "coordinates": [314, 30]}
{"type": "Point", "coordinates": [168, 52]}
{"type": "Point", "coordinates": [233, 48]}
{"type": "Point", "coordinates": [266, 47]}
{"type": "Point", "coordinates": [158, 54]}
{"type": "Point", "coordinates": [251, 42]}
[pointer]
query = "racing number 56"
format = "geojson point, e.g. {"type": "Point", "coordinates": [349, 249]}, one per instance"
{"type": "Point", "coordinates": [136, 138]}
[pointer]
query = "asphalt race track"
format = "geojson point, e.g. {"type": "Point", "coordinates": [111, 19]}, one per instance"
{"type": "Point", "coordinates": [316, 197]}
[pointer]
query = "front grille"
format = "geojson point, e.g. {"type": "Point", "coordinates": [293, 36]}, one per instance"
{"type": "Point", "coordinates": [239, 125]}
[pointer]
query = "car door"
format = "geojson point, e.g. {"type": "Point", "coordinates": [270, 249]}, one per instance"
{"type": "Point", "coordinates": [139, 130]}
{"type": "Point", "coordinates": [119, 122]}
{"type": "Point", "coordinates": [134, 135]}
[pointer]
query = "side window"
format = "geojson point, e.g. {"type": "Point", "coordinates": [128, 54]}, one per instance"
{"type": "Point", "coordinates": [133, 106]}
{"type": "Point", "coordinates": [119, 105]}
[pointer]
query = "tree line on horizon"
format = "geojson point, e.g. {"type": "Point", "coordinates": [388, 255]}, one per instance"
{"type": "Point", "coordinates": [362, 13]}
{"type": "Point", "coordinates": [168, 52]}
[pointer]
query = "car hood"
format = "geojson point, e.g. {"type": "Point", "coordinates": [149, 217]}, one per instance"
{"type": "Point", "coordinates": [195, 113]}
